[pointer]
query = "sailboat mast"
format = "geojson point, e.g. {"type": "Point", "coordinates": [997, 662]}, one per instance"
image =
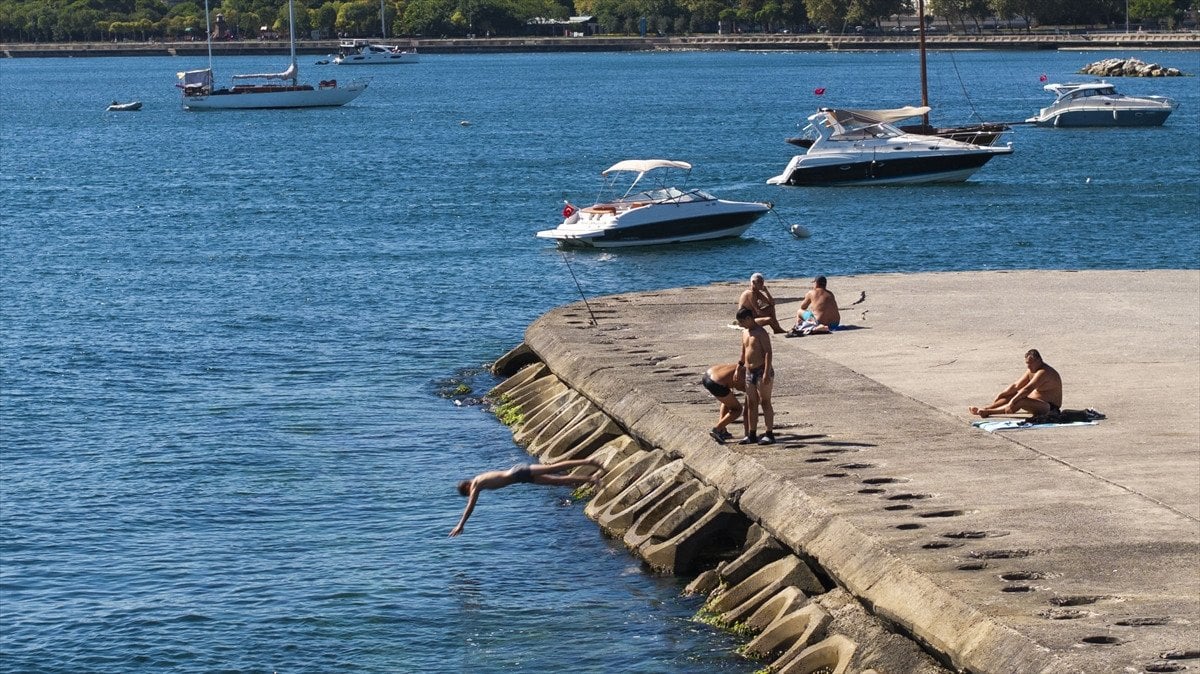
{"type": "Point", "coordinates": [921, 41]}
{"type": "Point", "coordinates": [383, 20]}
{"type": "Point", "coordinates": [292, 33]}
{"type": "Point", "coordinates": [208, 34]}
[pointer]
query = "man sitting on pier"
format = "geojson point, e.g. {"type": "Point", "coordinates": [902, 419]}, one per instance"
{"type": "Point", "coordinates": [818, 312]}
{"type": "Point", "coordinates": [755, 365]}
{"type": "Point", "coordinates": [1038, 391]}
{"type": "Point", "coordinates": [758, 299]}
{"type": "Point", "coordinates": [535, 474]}
{"type": "Point", "coordinates": [719, 380]}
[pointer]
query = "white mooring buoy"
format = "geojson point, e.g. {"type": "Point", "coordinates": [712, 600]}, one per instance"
{"type": "Point", "coordinates": [800, 232]}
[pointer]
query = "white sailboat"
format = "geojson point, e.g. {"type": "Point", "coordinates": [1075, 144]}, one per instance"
{"type": "Point", "coordinates": [199, 93]}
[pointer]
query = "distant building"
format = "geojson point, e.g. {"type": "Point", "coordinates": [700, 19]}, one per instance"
{"type": "Point", "coordinates": [575, 26]}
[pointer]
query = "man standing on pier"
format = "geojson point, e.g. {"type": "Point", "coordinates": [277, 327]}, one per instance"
{"type": "Point", "coordinates": [1038, 391]}
{"type": "Point", "coordinates": [756, 366]}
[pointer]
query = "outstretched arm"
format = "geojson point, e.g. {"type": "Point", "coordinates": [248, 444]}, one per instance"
{"type": "Point", "coordinates": [466, 513]}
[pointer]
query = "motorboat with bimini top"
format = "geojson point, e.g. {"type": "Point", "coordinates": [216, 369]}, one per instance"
{"type": "Point", "coordinates": [200, 94]}
{"type": "Point", "coordinates": [1099, 104]}
{"type": "Point", "coordinates": [862, 147]}
{"type": "Point", "coordinates": [362, 52]}
{"type": "Point", "coordinates": [651, 214]}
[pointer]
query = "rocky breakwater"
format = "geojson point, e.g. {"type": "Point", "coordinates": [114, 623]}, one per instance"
{"type": "Point", "coordinates": [1130, 67]}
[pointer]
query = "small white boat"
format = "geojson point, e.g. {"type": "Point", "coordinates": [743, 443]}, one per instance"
{"type": "Point", "coordinates": [862, 147]}
{"type": "Point", "coordinates": [200, 94]}
{"type": "Point", "coordinates": [362, 52]}
{"type": "Point", "coordinates": [1099, 104]}
{"type": "Point", "coordinates": [132, 106]}
{"type": "Point", "coordinates": [655, 215]}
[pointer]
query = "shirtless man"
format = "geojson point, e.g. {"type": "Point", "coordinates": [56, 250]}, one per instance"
{"type": "Point", "coordinates": [755, 365]}
{"type": "Point", "coordinates": [536, 474]}
{"type": "Point", "coordinates": [719, 380]}
{"type": "Point", "coordinates": [818, 311]}
{"type": "Point", "coordinates": [758, 299]}
{"type": "Point", "coordinates": [1038, 391]}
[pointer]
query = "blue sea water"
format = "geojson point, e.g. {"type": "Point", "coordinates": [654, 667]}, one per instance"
{"type": "Point", "coordinates": [221, 333]}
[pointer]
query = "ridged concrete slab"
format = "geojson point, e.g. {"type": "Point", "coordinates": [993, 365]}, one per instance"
{"type": "Point", "coordinates": [1064, 550]}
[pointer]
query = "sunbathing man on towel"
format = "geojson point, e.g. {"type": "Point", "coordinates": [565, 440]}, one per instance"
{"type": "Point", "coordinates": [535, 474]}
{"type": "Point", "coordinates": [1038, 391]}
{"type": "Point", "coordinates": [818, 311]}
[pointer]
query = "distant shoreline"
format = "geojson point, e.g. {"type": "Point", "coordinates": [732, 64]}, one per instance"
{"type": "Point", "coordinates": [742, 42]}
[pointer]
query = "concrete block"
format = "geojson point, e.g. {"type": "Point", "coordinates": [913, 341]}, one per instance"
{"type": "Point", "coordinates": [754, 557]}
{"type": "Point", "coordinates": [788, 635]}
{"type": "Point", "coordinates": [648, 522]}
{"type": "Point", "coordinates": [831, 655]}
{"type": "Point", "coordinates": [526, 374]}
{"type": "Point", "coordinates": [694, 527]}
{"type": "Point", "coordinates": [621, 476]}
{"type": "Point", "coordinates": [511, 362]}
{"type": "Point", "coordinates": [784, 602]}
{"type": "Point", "coordinates": [639, 496]}
{"type": "Point", "coordinates": [569, 444]}
{"type": "Point", "coordinates": [704, 583]}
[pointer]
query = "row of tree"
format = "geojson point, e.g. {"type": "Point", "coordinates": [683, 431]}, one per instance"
{"type": "Point", "coordinates": [101, 20]}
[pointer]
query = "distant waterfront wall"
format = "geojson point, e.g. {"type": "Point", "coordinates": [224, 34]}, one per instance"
{"type": "Point", "coordinates": [1189, 40]}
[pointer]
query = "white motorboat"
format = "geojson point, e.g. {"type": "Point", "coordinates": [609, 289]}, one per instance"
{"type": "Point", "coordinates": [1099, 104]}
{"type": "Point", "coordinates": [862, 147]}
{"type": "Point", "coordinates": [652, 215]}
{"type": "Point", "coordinates": [362, 52]}
{"type": "Point", "coordinates": [200, 94]}
{"type": "Point", "coordinates": [132, 106]}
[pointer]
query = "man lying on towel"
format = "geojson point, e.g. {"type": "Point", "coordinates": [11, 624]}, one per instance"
{"type": "Point", "coordinates": [1038, 391]}
{"type": "Point", "coordinates": [818, 311]}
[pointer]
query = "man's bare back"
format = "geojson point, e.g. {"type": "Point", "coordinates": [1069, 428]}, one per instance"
{"type": "Point", "coordinates": [819, 305]}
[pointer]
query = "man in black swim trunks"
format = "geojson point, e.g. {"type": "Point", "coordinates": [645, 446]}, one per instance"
{"type": "Point", "coordinates": [719, 380]}
{"type": "Point", "coordinates": [535, 474]}
{"type": "Point", "coordinates": [1038, 391]}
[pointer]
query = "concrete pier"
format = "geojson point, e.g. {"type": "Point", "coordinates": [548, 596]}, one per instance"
{"type": "Point", "coordinates": [1046, 550]}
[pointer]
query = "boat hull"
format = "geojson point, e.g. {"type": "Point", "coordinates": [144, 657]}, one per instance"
{"type": "Point", "coordinates": [377, 59]}
{"type": "Point", "coordinates": [1106, 117]}
{"type": "Point", "coordinates": [625, 232]}
{"type": "Point", "coordinates": [941, 168]}
{"type": "Point", "coordinates": [323, 97]}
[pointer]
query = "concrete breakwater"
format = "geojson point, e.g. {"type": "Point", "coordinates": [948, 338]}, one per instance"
{"type": "Point", "coordinates": [883, 532]}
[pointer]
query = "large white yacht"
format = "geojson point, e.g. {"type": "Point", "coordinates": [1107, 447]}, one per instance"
{"type": "Point", "coordinates": [362, 52]}
{"type": "Point", "coordinates": [656, 214]}
{"type": "Point", "coordinates": [862, 147]}
{"type": "Point", "coordinates": [1099, 104]}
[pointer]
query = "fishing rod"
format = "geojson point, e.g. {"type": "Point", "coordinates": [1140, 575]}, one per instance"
{"type": "Point", "coordinates": [578, 287]}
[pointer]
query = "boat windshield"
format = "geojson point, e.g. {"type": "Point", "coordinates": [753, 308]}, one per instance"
{"type": "Point", "coordinates": [856, 129]}
{"type": "Point", "coordinates": [666, 194]}
{"type": "Point", "coordinates": [1103, 91]}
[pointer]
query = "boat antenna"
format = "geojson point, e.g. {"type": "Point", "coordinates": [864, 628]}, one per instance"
{"type": "Point", "coordinates": [578, 287]}
{"type": "Point", "coordinates": [208, 34]}
{"type": "Point", "coordinates": [921, 50]}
